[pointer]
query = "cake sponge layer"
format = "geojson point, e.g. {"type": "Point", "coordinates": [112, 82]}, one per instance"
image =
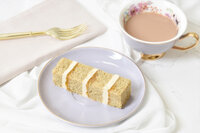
{"type": "Point", "coordinates": [118, 94]}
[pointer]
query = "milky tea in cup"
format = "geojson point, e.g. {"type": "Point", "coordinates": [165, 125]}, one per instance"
{"type": "Point", "coordinates": [153, 27]}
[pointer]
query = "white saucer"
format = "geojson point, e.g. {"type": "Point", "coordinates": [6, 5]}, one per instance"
{"type": "Point", "coordinates": [81, 111]}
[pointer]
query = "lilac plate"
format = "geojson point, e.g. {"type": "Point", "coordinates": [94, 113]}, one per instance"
{"type": "Point", "coordinates": [81, 111]}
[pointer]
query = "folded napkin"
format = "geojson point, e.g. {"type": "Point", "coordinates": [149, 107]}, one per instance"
{"type": "Point", "coordinates": [19, 55]}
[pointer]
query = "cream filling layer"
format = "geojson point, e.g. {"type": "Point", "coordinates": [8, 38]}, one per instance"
{"type": "Point", "coordinates": [85, 81]}
{"type": "Point", "coordinates": [66, 72]}
{"type": "Point", "coordinates": [107, 87]}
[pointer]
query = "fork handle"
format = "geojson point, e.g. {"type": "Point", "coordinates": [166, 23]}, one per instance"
{"type": "Point", "coordinates": [7, 36]}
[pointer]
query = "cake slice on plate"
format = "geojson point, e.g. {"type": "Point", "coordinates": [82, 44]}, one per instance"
{"type": "Point", "coordinates": [92, 83]}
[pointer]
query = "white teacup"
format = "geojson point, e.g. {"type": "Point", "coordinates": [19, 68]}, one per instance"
{"type": "Point", "coordinates": [155, 50]}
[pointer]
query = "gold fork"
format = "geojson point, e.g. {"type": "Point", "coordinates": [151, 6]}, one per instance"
{"type": "Point", "coordinates": [62, 34]}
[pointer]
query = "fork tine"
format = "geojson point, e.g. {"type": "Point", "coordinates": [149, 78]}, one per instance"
{"type": "Point", "coordinates": [71, 35]}
{"type": "Point", "coordinates": [67, 33]}
{"type": "Point", "coordinates": [72, 32]}
{"type": "Point", "coordinates": [66, 37]}
{"type": "Point", "coordinates": [72, 29]}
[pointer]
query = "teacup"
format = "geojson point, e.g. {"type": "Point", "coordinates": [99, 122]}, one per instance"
{"type": "Point", "coordinates": [155, 50]}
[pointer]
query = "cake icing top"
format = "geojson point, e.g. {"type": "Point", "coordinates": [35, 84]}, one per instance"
{"type": "Point", "coordinates": [107, 87]}
{"type": "Point", "coordinates": [66, 72]}
{"type": "Point", "coordinates": [85, 81]}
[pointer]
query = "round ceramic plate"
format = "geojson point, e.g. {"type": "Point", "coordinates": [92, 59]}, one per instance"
{"type": "Point", "coordinates": [81, 111]}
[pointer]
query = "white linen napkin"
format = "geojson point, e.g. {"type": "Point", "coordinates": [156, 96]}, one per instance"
{"type": "Point", "coordinates": [168, 80]}
{"type": "Point", "coordinates": [176, 75]}
{"type": "Point", "coordinates": [19, 55]}
{"type": "Point", "coordinates": [22, 111]}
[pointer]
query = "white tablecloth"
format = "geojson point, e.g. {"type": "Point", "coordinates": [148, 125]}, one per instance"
{"type": "Point", "coordinates": [172, 101]}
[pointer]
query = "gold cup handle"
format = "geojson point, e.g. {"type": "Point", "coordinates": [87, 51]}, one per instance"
{"type": "Point", "coordinates": [191, 34]}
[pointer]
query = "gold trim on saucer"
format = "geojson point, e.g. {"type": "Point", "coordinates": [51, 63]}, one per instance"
{"type": "Point", "coordinates": [191, 34]}
{"type": "Point", "coordinates": [93, 125]}
{"type": "Point", "coordinates": [152, 56]}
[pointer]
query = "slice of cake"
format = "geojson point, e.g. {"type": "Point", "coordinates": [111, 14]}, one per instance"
{"type": "Point", "coordinates": [92, 83]}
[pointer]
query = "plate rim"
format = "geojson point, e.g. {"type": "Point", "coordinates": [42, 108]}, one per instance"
{"type": "Point", "coordinates": [91, 125]}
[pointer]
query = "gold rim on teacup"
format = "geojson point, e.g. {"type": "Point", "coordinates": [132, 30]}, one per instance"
{"type": "Point", "coordinates": [156, 50]}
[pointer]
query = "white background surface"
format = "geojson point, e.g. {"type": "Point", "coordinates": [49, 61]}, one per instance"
{"type": "Point", "coordinates": [176, 77]}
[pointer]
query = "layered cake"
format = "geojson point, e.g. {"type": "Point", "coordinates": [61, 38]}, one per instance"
{"type": "Point", "coordinates": [110, 89]}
